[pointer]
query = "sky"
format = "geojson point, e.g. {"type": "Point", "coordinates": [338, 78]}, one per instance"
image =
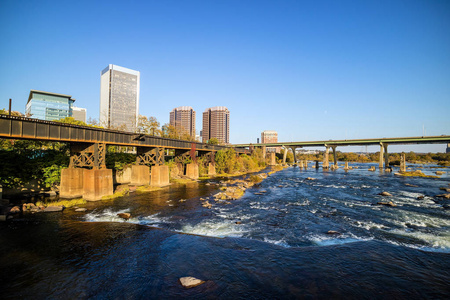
{"type": "Point", "coordinates": [311, 70]}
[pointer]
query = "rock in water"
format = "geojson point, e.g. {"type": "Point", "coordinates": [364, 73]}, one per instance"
{"type": "Point", "coordinates": [81, 209]}
{"type": "Point", "coordinates": [333, 232]}
{"type": "Point", "coordinates": [124, 216]}
{"type": "Point", "coordinates": [190, 282]}
{"type": "Point", "coordinates": [53, 208]}
{"type": "Point", "coordinates": [386, 194]}
{"type": "Point", "coordinates": [390, 203]}
{"type": "Point", "coordinates": [310, 178]}
{"type": "Point", "coordinates": [14, 210]}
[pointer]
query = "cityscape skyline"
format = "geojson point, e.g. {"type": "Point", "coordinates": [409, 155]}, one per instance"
{"type": "Point", "coordinates": [302, 69]}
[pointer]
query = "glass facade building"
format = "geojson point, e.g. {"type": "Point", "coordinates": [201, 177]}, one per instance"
{"type": "Point", "coordinates": [48, 106]}
{"type": "Point", "coordinates": [119, 97]}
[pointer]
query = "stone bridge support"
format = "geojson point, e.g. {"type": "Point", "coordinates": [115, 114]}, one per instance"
{"type": "Point", "coordinates": [403, 163]}
{"type": "Point", "coordinates": [78, 181]}
{"type": "Point", "coordinates": [326, 162]}
{"type": "Point", "coordinates": [295, 156]}
{"type": "Point", "coordinates": [150, 168]}
{"type": "Point", "coordinates": [383, 152]}
{"type": "Point", "coordinates": [273, 160]}
{"type": "Point", "coordinates": [285, 154]}
{"type": "Point", "coordinates": [334, 155]}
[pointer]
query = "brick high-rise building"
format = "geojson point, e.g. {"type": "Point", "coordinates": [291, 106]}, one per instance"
{"type": "Point", "coordinates": [216, 124]}
{"type": "Point", "coordinates": [270, 136]}
{"type": "Point", "coordinates": [119, 97]}
{"type": "Point", "coordinates": [183, 119]}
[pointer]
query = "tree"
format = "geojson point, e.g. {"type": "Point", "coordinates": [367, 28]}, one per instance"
{"type": "Point", "coordinates": [148, 125]}
{"type": "Point", "coordinates": [213, 141]}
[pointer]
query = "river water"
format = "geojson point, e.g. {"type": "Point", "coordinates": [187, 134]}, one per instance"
{"type": "Point", "coordinates": [270, 245]}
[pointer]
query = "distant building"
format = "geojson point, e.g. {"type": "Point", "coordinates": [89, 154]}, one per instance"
{"type": "Point", "coordinates": [119, 97]}
{"type": "Point", "coordinates": [216, 124]}
{"type": "Point", "coordinates": [48, 106]}
{"type": "Point", "coordinates": [270, 136]}
{"type": "Point", "coordinates": [79, 113]}
{"type": "Point", "coordinates": [183, 119]}
{"type": "Point", "coordinates": [448, 148]}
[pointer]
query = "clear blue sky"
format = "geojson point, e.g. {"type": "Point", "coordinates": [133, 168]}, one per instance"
{"type": "Point", "coordinates": [311, 70]}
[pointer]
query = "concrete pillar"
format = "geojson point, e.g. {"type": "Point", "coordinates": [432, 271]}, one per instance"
{"type": "Point", "coordinates": [403, 163]}
{"type": "Point", "coordinates": [97, 183]}
{"type": "Point", "coordinates": [326, 163]}
{"type": "Point", "coordinates": [305, 164]}
{"type": "Point", "coordinates": [346, 166]}
{"type": "Point", "coordinates": [211, 169]}
{"type": "Point", "coordinates": [192, 171]}
{"type": "Point", "coordinates": [295, 156]}
{"type": "Point", "coordinates": [301, 164]}
{"type": "Point", "coordinates": [264, 152]}
{"type": "Point", "coordinates": [140, 175]}
{"type": "Point", "coordinates": [273, 161]}
{"type": "Point", "coordinates": [71, 183]}
{"type": "Point", "coordinates": [317, 165]}
{"type": "Point", "coordinates": [334, 155]}
{"type": "Point", "coordinates": [160, 175]}
{"type": "Point", "coordinates": [380, 162]}
{"type": "Point", "coordinates": [386, 156]}
{"type": "Point", "coordinates": [284, 155]}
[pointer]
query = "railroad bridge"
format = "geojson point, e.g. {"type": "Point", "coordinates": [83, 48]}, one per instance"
{"type": "Point", "coordinates": [87, 175]}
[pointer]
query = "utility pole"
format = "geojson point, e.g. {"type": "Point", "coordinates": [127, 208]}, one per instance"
{"type": "Point", "coordinates": [10, 107]}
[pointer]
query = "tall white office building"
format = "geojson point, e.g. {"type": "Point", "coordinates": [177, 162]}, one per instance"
{"type": "Point", "coordinates": [119, 97]}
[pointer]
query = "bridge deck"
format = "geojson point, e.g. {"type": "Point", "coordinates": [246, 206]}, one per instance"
{"type": "Point", "coordinates": [442, 139]}
{"type": "Point", "coordinates": [34, 129]}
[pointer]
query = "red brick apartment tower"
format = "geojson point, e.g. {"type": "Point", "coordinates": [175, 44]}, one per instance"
{"type": "Point", "coordinates": [216, 124]}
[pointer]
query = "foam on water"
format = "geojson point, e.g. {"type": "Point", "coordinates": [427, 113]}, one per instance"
{"type": "Point", "coordinates": [215, 229]}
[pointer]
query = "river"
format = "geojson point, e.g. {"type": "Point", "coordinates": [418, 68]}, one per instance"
{"type": "Point", "coordinates": [274, 244]}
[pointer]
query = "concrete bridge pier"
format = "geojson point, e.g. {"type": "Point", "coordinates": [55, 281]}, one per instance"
{"type": "Point", "coordinates": [192, 171]}
{"type": "Point", "coordinates": [273, 160]}
{"type": "Point", "coordinates": [334, 156]}
{"type": "Point", "coordinates": [91, 184]}
{"type": "Point", "coordinates": [384, 156]}
{"type": "Point", "coordinates": [264, 152]}
{"type": "Point", "coordinates": [295, 156]}
{"type": "Point", "coordinates": [403, 163]}
{"type": "Point", "coordinates": [211, 169]}
{"type": "Point", "coordinates": [326, 162]}
{"type": "Point", "coordinates": [305, 164]}
{"type": "Point", "coordinates": [159, 175]}
{"type": "Point", "coordinates": [285, 154]}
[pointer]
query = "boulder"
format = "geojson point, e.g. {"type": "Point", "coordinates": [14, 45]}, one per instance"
{"type": "Point", "coordinates": [420, 197]}
{"type": "Point", "coordinates": [54, 208]}
{"type": "Point", "coordinates": [14, 210]}
{"type": "Point", "coordinates": [446, 196]}
{"type": "Point", "coordinates": [385, 194]}
{"type": "Point", "coordinates": [332, 232]}
{"type": "Point", "coordinates": [81, 209]}
{"type": "Point", "coordinates": [310, 178]}
{"type": "Point", "coordinates": [124, 216]}
{"type": "Point", "coordinates": [390, 203]}
{"type": "Point", "coordinates": [190, 282]}
{"type": "Point", "coordinates": [207, 204]}
{"type": "Point", "coordinates": [411, 185]}
{"type": "Point", "coordinates": [440, 172]}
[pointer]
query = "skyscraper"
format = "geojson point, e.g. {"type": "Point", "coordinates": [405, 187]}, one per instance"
{"type": "Point", "coordinates": [79, 113]}
{"type": "Point", "coordinates": [183, 119]}
{"type": "Point", "coordinates": [270, 136]}
{"type": "Point", "coordinates": [119, 97]}
{"type": "Point", "coordinates": [49, 106]}
{"type": "Point", "coordinates": [216, 124]}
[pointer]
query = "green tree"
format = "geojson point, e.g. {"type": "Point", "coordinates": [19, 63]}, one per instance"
{"type": "Point", "coordinates": [213, 141]}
